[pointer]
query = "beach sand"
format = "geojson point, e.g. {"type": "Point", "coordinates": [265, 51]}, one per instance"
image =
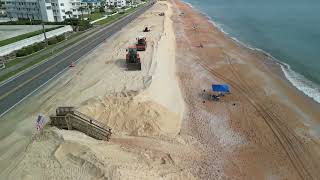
{"type": "Point", "coordinates": [265, 129]}
{"type": "Point", "coordinates": [162, 126]}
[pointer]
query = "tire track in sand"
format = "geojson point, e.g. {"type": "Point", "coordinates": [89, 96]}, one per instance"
{"type": "Point", "coordinates": [289, 142]}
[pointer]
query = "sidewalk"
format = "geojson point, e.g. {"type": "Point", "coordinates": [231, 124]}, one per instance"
{"type": "Point", "coordinates": [49, 52]}
{"type": "Point", "coordinates": [106, 16]}
{"type": "Point", "coordinates": [45, 52]}
{"type": "Point", "coordinates": [9, 48]}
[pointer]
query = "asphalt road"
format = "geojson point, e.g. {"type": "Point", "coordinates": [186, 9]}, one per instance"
{"type": "Point", "coordinates": [17, 89]}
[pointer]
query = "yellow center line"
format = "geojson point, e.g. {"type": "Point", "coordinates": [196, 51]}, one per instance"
{"type": "Point", "coordinates": [50, 67]}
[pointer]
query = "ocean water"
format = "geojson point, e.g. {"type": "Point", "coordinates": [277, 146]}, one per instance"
{"type": "Point", "coordinates": [288, 30]}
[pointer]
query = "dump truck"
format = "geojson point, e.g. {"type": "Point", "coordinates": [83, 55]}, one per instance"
{"type": "Point", "coordinates": [141, 43]}
{"type": "Point", "coordinates": [133, 59]}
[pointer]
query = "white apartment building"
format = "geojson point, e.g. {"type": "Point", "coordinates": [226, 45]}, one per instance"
{"type": "Point", "coordinates": [116, 3]}
{"type": "Point", "coordinates": [47, 10]}
{"type": "Point", "coordinates": [94, 3]}
{"type": "Point", "coordinates": [2, 9]}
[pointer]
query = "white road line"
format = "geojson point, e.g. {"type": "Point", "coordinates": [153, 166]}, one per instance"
{"type": "Point", "coordinates": [50, 58]}
{"type": "Point", "coordinates": [81, 57]}
{"type": "Point", "coordinates": [62, 70]}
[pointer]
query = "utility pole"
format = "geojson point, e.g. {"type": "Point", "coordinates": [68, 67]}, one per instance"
{"type": "Point", "coordinates": [42, 23]}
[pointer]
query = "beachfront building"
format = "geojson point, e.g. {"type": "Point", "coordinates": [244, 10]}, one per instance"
{"type": "Point", "coordinates": [46, 10]}
{"type": "Point", "coordinates": [2, 9]}
{"type": "Point", "coordinates": [116, 3]}
{"type": "Point", "coordinates": [93, 3]}
{"type": "Point", "coordinates": [90, 5]}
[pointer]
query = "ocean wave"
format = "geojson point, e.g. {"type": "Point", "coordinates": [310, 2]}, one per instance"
{"type": "Point", "coordinates": [304, 85]}
{"type": "Point", "coordinates": [219, 26]}
{"type": "Point", "coordinates": [189, 4]}
{"type": "Point", "coordinates": [300, 82]}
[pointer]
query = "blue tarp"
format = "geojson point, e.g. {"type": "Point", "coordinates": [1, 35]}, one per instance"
{"type": "Point", "coordinates": [221, 88]}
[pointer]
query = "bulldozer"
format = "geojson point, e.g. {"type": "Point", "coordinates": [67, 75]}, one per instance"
{"type": "Point", "coordinates": [141, 43]}
{"type": "Point", "coordinates": [133, 59]}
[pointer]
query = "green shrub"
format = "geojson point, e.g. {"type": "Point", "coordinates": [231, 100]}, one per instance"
{"type": "Point", "coordinates": [61, 38]}
{"type": "Point", "coordinates": [38, 46]}
{"type": "Point", "coordinates": [83, 25]}
{"type": "Point", "coordinates": [78, 24]}
{"type": "Point", "coordinates": [52, 40]}
{"type": "Point", "coordinates": [101, 9]}
{"type": "Point", "coordinates": [24, 36]}
{"type": "Point", "coordinates": [21, 52]}
{"type": "Point", "coordinates": [29, 50]}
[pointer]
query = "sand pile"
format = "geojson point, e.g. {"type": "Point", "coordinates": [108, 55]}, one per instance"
{"type": "Point", "coordinates": [143, 108]}
{"type": "Point", "coordinates": [158, 110]}
{"type": "Point", "coordinates": [126, 114]}
{"type": "Point", "coordinates": [164, 88]}
{"type": "Point", "coordinates": [73, 155]}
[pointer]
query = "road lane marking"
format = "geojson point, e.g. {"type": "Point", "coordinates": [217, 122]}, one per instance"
{"type": "Point", "coordinates": [48, 68]}
{"type": "Point", "coordinates": [45, 83]}
{"type": "Point", "coordinates": [144, 9]}
{"type": "Point", "coordinates": [98, 30]}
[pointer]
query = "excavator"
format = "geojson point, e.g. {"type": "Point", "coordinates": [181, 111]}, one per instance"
{"type": "Point", "coordinates": [133, 59]}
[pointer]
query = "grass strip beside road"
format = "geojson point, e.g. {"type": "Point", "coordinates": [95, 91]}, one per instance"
{"type": "Point", "coordinates": [113, 18]}
{"type": "Point", "coordinates": [94, 16]}
{"type": "Point", "coordinates": [25, 36]}
{"type": "Point", "coordinates": [17, 60]}
{"type": "Point", "coordinates": [50, 52]}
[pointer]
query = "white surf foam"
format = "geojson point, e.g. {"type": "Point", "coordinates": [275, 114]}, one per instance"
{"type": "Point", "coordinates": [189, 4]}
{"type": "Point", "coordinates": [300, 82]}
{"type": "Point", "coordinates": [306, 86]}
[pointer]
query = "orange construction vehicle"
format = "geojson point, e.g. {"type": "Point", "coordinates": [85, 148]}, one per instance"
{"type": "Point", "coordinates": [133, 59]}
{"type": "Point", "coordinates": [141, 43]}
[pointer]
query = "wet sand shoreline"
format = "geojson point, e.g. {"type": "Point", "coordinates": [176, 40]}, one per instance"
{"type": "Point", "coordinates": [256, 132]}
{"type": "Point", "coordinates": [268, 59]}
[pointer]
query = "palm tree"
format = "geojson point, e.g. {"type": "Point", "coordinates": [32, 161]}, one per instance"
{"type": "Point", "coordinates": [69, 13]}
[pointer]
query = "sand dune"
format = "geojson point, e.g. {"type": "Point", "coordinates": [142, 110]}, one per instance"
{"type": "Point", "coordinates": [144, 109]}
{"type": "Point", "coordinates": [126, 114]}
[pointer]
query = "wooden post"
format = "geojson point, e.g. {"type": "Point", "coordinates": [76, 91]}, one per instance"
{"type": "Point", "coordinates": [67, 119]}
